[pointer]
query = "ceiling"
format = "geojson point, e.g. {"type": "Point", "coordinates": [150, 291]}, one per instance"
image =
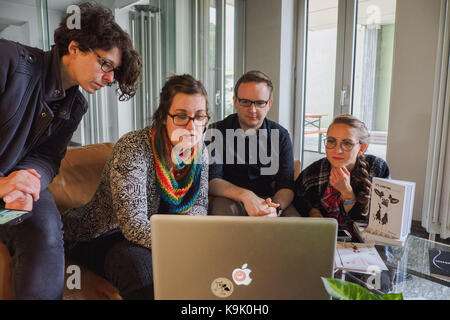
{"type": "Point", "coordinates": [59, 5]}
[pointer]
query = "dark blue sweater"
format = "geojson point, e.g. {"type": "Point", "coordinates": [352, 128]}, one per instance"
{"type": "Point", "coordinates": [264, 164]}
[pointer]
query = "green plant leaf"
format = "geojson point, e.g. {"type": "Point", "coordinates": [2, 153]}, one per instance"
{"type": "Point", "coordinates": [392, 296]}
{"type": "Point", "coordinates": [345, 290]}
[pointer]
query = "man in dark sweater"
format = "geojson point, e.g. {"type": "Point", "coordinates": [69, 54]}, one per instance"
{"type": "Point", "coordinates": [251, 160]}
{"type": "Point", "coordinates": [40, 107]}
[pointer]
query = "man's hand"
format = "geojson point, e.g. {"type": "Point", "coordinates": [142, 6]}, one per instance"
{"type": "Point", "coordinates": [256, 206]}
{"type": "Point", "coordinates": [23, 201]}
{"type": "Point", "coordinates": [272, 204]}
{"type": "Point", "coordinates": [340, 179]}
{"type": "Point", "coordinates": [26, 181]}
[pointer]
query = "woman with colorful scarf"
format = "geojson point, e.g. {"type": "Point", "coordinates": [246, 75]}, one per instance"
{"type": "Point", "coordinates": [161, 169]}
{"type": "Point", "coordinates": [339, 185]}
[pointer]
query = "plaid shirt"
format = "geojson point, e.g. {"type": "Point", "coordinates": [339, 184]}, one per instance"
{"type": "Point", "coordinates": [314, 180]}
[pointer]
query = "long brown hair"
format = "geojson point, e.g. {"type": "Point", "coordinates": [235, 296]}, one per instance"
{"type": "Point", "coordinates": [360, 172]}
{"type": "Point", "coordinates": [175, 84]}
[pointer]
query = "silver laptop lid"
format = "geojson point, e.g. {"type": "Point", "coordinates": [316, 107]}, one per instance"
{"type": "Point", "coordinates": [218, 257]}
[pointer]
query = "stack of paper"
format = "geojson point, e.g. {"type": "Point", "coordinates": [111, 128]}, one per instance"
{"type": "Point", "coordinates": [358, 257]}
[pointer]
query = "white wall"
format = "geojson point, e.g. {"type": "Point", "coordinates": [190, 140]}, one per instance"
{"type": "Point", "coordinates": [17, 33]}
{"type": "Point", "coordinates": [415, 44]}
{"type": "Point", "coordinates": [262, 46]}
{"type": "Point", "coordinates": [21, 13]}
{"type": "Point", "coordinates": [27, 14]}
{"type": "Point", "coordinates": [286, 89]}
{"type": "Point", "coordinates": [183, 37]}
{"type": "Point", "coordinates": [269, 47]}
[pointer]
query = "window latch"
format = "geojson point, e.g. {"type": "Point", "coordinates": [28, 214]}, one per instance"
{"type": "Point", "coordinates": [218, 98]}
{"type": "Point", "coordinates": [343, 96]}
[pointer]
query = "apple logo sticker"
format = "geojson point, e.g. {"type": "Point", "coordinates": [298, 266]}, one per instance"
{"type": "Point", "coordinates": [241, 276]}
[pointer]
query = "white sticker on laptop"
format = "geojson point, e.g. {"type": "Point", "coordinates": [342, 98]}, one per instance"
{"type": "Point", "coordinates": [241, 276]}
{"type": "Point", "coordinates": [222, 287]}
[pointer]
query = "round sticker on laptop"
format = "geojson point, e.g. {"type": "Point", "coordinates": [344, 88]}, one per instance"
{"type": "Point", "coordinates": [222, 287]}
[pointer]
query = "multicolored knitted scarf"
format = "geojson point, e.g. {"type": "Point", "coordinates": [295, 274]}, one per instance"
{"type": "Point", "coordinates": [180, 186]}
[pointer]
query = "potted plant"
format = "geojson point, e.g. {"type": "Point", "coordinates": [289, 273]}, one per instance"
{"type": "Point", "coordinates": [345, 290]}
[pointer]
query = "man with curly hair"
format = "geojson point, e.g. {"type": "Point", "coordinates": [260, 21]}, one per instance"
{"type": "Point", "coordinates": [40, 108]}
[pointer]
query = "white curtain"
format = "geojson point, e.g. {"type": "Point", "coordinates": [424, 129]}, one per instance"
{"type": "Point", "coordinates": [145, 29]}
{"type": "Point", "coordinates": [436, 206]}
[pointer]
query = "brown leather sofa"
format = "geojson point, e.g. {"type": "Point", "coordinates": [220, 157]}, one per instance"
{"type": "Point", "coordinates": [74, 186]}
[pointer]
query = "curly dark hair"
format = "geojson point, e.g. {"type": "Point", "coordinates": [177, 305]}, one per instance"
{"type": "Point", "coordinates": [100, 31]}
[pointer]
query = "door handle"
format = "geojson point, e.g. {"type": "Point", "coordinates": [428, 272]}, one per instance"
{"type": "Point", "coordinates": [343, 96]}
{"type": "Point", "coordinates": [218, 98]}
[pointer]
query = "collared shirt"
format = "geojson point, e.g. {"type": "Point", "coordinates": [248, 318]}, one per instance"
{"type": "Point", "coordinates": [262, 163]}
{"type": "Point", "coordinates": [37, 116]}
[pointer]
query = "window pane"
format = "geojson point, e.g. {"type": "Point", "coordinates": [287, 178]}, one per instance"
{"type": "Point", "coordinates": [320, 76]}
{"type": "Point", "coordinates": [373, 69]}
{"type": "Point", "coordinates": [229, 56]}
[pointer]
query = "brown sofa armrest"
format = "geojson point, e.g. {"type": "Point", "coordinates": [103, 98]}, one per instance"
{"type": "Point", "coordinates": [79, 175]}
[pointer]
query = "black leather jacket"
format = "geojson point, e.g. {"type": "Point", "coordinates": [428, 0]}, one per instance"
{"type": "Point", "coordinates": [37, 116]}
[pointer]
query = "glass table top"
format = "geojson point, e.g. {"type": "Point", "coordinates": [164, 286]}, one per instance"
{"type": "Point", "coordinates": [409, 271]}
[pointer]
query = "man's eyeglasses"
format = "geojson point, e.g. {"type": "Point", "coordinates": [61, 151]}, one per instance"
{"type": "Point", "coordinates": [346, 145]}
{"type": "Point", "coordinates": [183, 120]}
{"type": "Point", "coordinates": [106, 65]}
{"type": "Point", "coordinates": [247, 103]}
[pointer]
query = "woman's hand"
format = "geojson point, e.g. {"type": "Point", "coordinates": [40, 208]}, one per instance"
{"type": "Point", "coordinates": [340, 180]}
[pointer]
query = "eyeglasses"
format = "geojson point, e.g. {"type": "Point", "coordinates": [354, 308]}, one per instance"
{"type": "Point", "coordinates": [105, 65]}
{"type": "Point", "coordinates": [247, 103]}
{"type": "Point", "coordinates": [183, 120]}
{"type": "Point", "coordinates": [346, 145]}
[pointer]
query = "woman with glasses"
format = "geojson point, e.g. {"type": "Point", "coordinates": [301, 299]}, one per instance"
{"type": "Point", "coordinates": [339, 185]}
{"type": "Point", "coordinates": [156, 170]}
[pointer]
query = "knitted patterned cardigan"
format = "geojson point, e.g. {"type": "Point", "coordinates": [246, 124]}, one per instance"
{"type": "Point", "coordinates": [127, 195]}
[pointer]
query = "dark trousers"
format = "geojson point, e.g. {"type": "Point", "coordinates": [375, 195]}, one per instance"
{"type": "Point", "coordinates": [127, 265]}
{"type": "Point", "coordinates": [37, 250]}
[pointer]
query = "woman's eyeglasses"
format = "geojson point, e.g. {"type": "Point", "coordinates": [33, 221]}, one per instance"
{"type": "Point", "coordinates": [183, 120]}
{"type": "Point", "coordinates": [346, 145]}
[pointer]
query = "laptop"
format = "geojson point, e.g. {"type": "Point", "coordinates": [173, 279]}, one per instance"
{"type": "Point", "coordinates": [241, 258]}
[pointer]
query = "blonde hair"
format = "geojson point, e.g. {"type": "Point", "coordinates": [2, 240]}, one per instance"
{"type": "Point", "coordinates": [348, 119]}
